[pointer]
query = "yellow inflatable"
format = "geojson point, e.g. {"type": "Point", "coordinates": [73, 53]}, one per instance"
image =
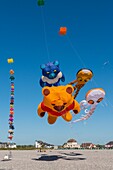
{"type": "Point", "coordinates": [58, 101]}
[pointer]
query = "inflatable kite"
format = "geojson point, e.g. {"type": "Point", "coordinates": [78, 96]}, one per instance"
{"type": "Point", "coordinates": [82, 77]}
{"type": "Point", "coordinates": [58, 101]}
{"type": "Point", "coordinates": [63, 30]}
{"type": "Point", "coordinates": [93, 98]}
{"type": "Point", "coordinates": [51, 74]}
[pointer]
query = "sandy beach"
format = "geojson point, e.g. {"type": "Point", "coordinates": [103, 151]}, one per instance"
{"type": "Point", "coordinates": [58, 160]}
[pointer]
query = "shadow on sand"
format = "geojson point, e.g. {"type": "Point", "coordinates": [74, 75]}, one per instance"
{"type": "Point", "coordinates": [71, 156]}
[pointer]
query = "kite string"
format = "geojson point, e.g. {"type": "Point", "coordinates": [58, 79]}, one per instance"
{"type": "Point", "coordinates": [45, 35]}
{"type": "Point", "coordinates": [76, 52]}
{"type": "Point", "coordinates": [93, 80]}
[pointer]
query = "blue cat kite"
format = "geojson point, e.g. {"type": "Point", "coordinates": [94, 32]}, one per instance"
{"type": "Point", "coordinates": [51, 74]}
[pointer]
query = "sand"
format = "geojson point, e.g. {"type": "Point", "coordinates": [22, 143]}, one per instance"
{"type": "Point", "coordinates": [58, 160]}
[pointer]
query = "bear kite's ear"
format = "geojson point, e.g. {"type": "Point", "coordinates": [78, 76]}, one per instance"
{"type": "Point", "coordinates": [42, 66]}
{"type": "Point", "coordinates": [56, 63]}
{"type": "Point", "coordinates": [69, 89]}
{"type": "Point", "coordinates": [46, 91]}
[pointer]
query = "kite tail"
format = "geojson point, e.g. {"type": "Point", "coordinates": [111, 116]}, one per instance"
{"type": "Point", "coordinates": [77, 91]}
{"type": "Point", "coordinates": [87, 115]}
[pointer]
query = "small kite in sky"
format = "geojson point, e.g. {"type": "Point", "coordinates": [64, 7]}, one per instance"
{"type": "Point", "coordinates": [63, 30]}
{"type": "Point", "coordinates": [105, 63]}
{"type": "Point", "coordinates": [10, 60]}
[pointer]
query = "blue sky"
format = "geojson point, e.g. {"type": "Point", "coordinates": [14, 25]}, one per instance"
{"type": "Point", "coordinates": [29, 34]}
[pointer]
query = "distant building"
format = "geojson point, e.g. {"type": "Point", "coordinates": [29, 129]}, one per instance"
{"type": "Point", "coordinates": [3, 144]}
{"type": "Point", "coordinates": [71, 144]}
{"type": "Point", "coordinates": [88, 145]}
{"type": "Point", "coordinates": [12, 145]}
{"type": "Point", "coordinates": [49, 146]}
{"type": "Point", "coordinates": [40, 144]}
{"type": "Point", "coordinates": [7, 145]}
{"type": "Point", "coordinates": [109, 145]}
{"type": "Point", "coordinates": [55, 147]}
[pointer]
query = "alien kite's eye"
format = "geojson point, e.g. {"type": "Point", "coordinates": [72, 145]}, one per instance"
{"type": "Point", "coordinates": [47, 72]}
{"type": "Point", "coordinates": [91, 102]}
{"type": "Point", "coordinates": [54, 71]}
{"type": "Point", "coordinates": [99, 100]}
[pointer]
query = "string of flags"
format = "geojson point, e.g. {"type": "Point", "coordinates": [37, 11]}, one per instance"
{"type": "Point", "coordinates": [11, 112]}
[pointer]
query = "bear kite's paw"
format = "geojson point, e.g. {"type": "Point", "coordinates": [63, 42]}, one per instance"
{"type": "Point", "coordinates": [42, 114]}
{"type": "Point", "coordinates": [75, 111]}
